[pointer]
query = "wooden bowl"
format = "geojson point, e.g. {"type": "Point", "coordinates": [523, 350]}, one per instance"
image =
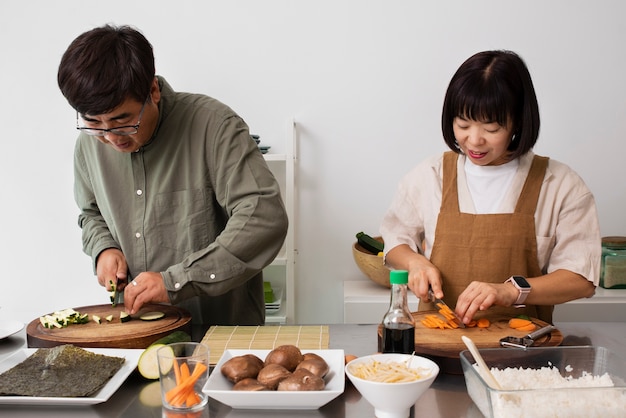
{"type": "Point", "coordinates": [371, 265]}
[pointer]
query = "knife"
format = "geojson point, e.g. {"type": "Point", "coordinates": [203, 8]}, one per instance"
{"type": "Point", "coordinates": [437, 301]}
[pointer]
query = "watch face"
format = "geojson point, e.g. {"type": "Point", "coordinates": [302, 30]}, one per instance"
{"type": "Point", "coordinates": [521, 282]}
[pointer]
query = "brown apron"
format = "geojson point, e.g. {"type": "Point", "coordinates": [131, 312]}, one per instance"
{"type": "Point", "coordinates": [487, 248]}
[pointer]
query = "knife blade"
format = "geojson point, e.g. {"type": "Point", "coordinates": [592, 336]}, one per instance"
{"type": "Point", "coordinates": [437, 301]}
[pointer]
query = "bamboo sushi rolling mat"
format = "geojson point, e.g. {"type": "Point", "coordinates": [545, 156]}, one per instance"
{"type": "Point", "coordinates": [220, 338]}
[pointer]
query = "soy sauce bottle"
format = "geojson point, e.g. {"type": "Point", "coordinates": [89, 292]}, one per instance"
{"type": "Point", "coordinates": [398, 323]}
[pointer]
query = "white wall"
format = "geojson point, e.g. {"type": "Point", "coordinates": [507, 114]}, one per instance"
{"type": "Point", "coordinates": [363, 79]}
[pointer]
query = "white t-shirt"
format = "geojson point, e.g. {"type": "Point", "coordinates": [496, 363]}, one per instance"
{"type": "Point", "coordinates": [488, 184]}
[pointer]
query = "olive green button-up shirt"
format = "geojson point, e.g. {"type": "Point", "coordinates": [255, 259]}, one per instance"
{"type": "Point", "coordinates": [197, 203]}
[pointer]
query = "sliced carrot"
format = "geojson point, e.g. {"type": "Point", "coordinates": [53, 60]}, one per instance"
{"type": "Point", "coordinates": [519, 322]}
{"type": "Point", "coordinates": [184, 371]}
{"type": "Point", "coordinates": [483, 323]}
{"type": "Point", "coordinates": [176, 372]}
{"type": "Point", "coordinates": [471, 324]}
{"type": "Point", "coordinates": [181, 393]}
{"type": "Point", "coordinates": [531, 327]}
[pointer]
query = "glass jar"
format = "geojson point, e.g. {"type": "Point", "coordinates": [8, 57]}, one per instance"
{"type": "Point", "coordinates": [613, 271]}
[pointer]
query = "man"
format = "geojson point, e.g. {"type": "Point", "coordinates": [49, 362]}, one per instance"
{"type": "Point", "coordinates": [174, 195]}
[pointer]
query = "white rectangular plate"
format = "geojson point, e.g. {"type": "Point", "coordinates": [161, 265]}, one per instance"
{"type": "Point", "coordinates": [131, 356]}
{"type": "Point", "coordinates": [219, 388]}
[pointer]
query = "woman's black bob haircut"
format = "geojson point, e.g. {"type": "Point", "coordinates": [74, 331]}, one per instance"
{"type": "Point", "coordinates": [493, 86]}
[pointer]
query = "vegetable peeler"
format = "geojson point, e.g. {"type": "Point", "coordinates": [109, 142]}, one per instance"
{"type": "Point", "coordinates": [526, 341]}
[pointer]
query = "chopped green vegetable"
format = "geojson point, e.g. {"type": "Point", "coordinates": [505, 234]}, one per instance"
{"type": "Point", "coordinates": [63, 318]}
{"type": "Point", "coordinates": [113, 292]}
{"type": "Point", "coordinates": [124, 317]}
{"type": "Point", "coordinates": [148, 365]}
{"type": "Point", "coordinates": [152, 316]}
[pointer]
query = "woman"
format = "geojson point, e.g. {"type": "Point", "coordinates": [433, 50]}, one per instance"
{"type": "Point", "coordinates": [473, 223]}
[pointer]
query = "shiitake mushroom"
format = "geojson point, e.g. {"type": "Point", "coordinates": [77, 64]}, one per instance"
{"type": "Point", "coordinates": [242, 367]}
{"type": "Point", "coordinates": [250, 384]}
{"type": "Point", "coordinates": [301, 380]}
{"type": "Point", "coordinates": [272, 374]}
{"type": "Point", "coordinates": [285, 368]}
{"type": "Point", "coordinates": [288, 356]}
{"type": "Point", "coordinates": [316, 365]}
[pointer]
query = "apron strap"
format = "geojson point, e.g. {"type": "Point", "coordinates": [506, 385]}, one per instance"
{"type": "Point", "coordinates": [527, 202]}
{"type": "Point", "coordinates": [449, 192]}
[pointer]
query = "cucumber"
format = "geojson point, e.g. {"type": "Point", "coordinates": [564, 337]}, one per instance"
{"type": "Point", "coordinates": [113, 293]}
{"type": "Point", "coordinates": [124, 317]}
{"type": "Point", "coordinates": [152, 316]}
{"type": "Point", "coordinates": [369, 243]}
{"type": "Point", "coordinates": [96, 319]}
{"type": "Point", "coordinates": [63, 318]}
{"type": "Point", "coordinates": [109, 318]}
{"type": "Point", "coordinates": [148, 364]}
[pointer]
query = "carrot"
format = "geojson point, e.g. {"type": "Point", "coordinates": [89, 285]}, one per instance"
{"type": "Point", "coordinates": [176, 371]}
{"type": "Point", "coordinates": [472, 323]}
{"type": "Point", "coordinates": [529, 328]}
{"type": "Point", "coordinates": [516, 323]}
{"type": "Point", "coordinates": [184, 371]}
{"type": "Point", "coordinates": [183, 392]}
{"type": "Point", "coordinates": [483, 323]}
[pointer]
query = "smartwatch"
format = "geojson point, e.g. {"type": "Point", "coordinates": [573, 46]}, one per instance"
{"type": "Point", "coordinates": [523, 286]}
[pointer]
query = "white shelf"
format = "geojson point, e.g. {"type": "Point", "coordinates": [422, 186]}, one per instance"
{"type": "Point", "coordinates": [365, 302]}
{"type": "Point", "coordinates": [275, 157]}
{"type": "Point", "coordinates": [281, 272]}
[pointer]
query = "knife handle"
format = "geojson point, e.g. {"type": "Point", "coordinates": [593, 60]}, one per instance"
{"type": "Point", "coordinates": [541, 331]}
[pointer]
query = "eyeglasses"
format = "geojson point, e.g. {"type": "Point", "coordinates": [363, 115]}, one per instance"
{"type": "Point", "coordinates": [118, 130]}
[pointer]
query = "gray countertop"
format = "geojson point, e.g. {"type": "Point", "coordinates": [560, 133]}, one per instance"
{"type": "Point", "coordinates": [447, 397]}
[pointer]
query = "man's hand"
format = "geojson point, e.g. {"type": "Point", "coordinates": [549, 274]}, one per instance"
{"type": "Point", "coordinates": [110, 267]}
{"type": "Point", "coordinates": [145, 288]}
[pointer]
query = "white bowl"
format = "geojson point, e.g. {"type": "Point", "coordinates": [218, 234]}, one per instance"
{"type": "Point", "coordinates": [393, 400]}
{"type": "Point", "coordinates": [219, 388]}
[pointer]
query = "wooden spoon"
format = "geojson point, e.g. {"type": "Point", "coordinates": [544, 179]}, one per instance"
{"type": "Point", "coordinates": [491, 380]}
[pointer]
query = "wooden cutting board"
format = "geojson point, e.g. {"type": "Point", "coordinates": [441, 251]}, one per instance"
{"type": "Point", "coordinates": [446, 344]}
{"type": "Point", "coordinates": [135, 333]}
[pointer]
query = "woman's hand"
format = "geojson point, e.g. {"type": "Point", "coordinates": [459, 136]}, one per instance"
{"type": "Point", "coordinates": [422, 273]}
{"type": "Point", "coordinates": [479, 296]}
{"type": "Point", "coordinates": [145, 288]}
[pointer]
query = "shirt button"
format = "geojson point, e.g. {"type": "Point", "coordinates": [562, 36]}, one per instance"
{"type": "Point", "coordinates": [137, 234]}
{"type": "Point", "coordinates": [177, 286]}
{"type": "Point", "coordinates": [139, 192]}
{"type": "Point", "coordinates": [212, 276]}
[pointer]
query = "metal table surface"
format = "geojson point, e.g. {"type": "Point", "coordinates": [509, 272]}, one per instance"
{"type": "Point", "coordinates": [447, 397]}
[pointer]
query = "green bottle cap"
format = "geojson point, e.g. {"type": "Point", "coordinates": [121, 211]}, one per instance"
{"type": "Point", "coordinates": [398, 277]}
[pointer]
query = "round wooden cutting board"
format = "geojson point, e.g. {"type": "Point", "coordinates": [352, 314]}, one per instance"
{"type": "Point", "coordinates": [444, 345]}
{"type": "Point", "coordinates": [135, 333]}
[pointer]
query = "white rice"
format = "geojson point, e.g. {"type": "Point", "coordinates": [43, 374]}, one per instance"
{"type": "Point", "coordinates": [545, 392]}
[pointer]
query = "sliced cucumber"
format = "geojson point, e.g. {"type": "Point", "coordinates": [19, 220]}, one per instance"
{"type": "Point", "coordinates": [148, 365]}
{"type": "Point", "coordinates": [152, 316]}
{"type": "Point", "coordinates": [109, 318]}
{"type": "Point", "coordinates": [124, 317]}
{"type": "Point", "coordinates": [96, 319]}
{"type": "Point", "coordinates": [113, 293]}
{"type": "Point", "coordinates": [63, 318]}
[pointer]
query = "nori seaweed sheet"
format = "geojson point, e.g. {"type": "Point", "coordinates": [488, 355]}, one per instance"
{"type": "Point", "coordinates": [62, 371]}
